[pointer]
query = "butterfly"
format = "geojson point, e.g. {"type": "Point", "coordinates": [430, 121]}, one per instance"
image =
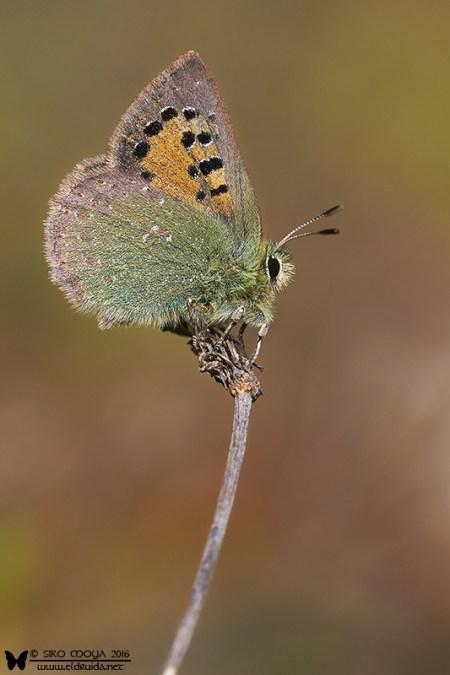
{"type": "Point", "coordinates": [20, 661]}
{"type": "Point", "coordinates": [164, 228]}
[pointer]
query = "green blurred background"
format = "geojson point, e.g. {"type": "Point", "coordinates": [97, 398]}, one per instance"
{"type": "Point", "coordinates": [338, 555]}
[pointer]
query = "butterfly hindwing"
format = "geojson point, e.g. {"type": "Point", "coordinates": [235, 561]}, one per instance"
{"type": "Point", "coordinates": [130, 253]}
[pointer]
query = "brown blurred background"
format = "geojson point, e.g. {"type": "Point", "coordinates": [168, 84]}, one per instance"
{"type": "Point", "coordinates": [338, 555]}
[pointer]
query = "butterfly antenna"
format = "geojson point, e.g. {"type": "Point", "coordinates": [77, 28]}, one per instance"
{"type": "Point", "coordinates": [293, 233]}
{"type": "Point", "coordinates": [329, 230]}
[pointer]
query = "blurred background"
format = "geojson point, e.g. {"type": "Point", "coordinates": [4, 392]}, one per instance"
{"type": "Point", "coordinates": [337, 559]}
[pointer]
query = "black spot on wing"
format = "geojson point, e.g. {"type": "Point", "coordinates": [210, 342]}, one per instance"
{"type": "Point", "coordinates": [219, 190]}
{"type": "Point", "coordinates": [168, 113]}
{"type": "Point", "coordinates": [153, 128]}
{"type": "Point", "coordinates": [188, 139]}
{"type": "Point", "coordinates": [147, 175]}
{"type": "Point", "coordinates": [215, 163]}
{"type": "Point", "coordinates": [140, 149]}
{"type": "Point", "coordinates": [211, 164]}
{"type": "Point", "coordinates": [189, 113]}
{"type": "Point", "coordinates": [204, 138]}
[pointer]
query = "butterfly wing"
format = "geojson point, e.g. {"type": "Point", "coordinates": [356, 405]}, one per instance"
{"type": "Point", "coordinates": [136, 235]}
{"type": "Point", "coordinates": [22, 659]}
{"type": "Point", "coordinates": [177, 134]}
{"type": "Point", "coordinates": [10, 659]}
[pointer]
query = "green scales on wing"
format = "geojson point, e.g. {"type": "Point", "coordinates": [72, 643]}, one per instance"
{"type": "Point", "coordinates": [164, 228]}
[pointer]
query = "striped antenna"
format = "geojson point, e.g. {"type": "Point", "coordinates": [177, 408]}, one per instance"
{"type": "Point", "coordinates": [293, 233]}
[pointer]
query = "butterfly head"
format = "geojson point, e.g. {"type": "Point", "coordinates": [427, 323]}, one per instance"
{"type": "Point", "coordinates": [278, 267]}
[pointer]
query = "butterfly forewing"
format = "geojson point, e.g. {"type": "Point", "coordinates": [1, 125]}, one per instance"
{"type": "Point", "coordinates": [177, 136]}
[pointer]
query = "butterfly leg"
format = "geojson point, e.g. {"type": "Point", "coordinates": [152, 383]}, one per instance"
{"type": "Point", "coordinates": [241, 332]}
{"type": "Point", "coordinates": [264, 329]}
{"type": "Point", "coordinates": [237, 315]}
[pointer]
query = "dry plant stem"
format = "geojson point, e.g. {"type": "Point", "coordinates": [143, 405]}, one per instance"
{"type": "Point", "coordinates": [242, 408]}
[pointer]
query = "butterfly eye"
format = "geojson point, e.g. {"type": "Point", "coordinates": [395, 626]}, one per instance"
{"type": "Point", "coordinates": [273, 267]}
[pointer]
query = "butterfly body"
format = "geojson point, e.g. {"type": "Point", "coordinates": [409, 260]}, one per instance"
{"type": "Point", "coordinates": [164, 229]}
